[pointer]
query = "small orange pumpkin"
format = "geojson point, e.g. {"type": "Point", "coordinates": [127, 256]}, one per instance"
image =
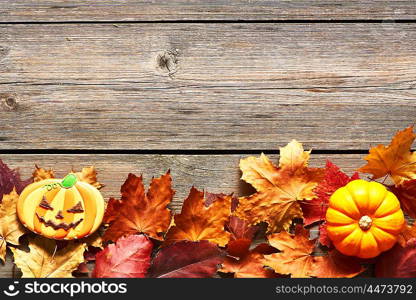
{"type": "Point", "coordinates": [61, 209]}
{"type": "Point", "coordinates": [364, 219]}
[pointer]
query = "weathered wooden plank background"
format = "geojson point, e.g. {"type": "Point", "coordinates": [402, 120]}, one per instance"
{"type": "Point", "coordinates": [83, 78]}
{"type": "Point", "coordinates": [143, 10]}
{"type": "Point", "coordinates": [205, 86]}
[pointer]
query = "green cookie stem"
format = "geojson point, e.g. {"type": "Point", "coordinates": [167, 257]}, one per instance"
{"type": "Point", "coordinates": [69, 181]}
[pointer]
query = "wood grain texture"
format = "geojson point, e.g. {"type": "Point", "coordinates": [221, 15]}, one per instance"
{"type": "Point", "coordinates": [214, 173]}
{"type": "Point", "coordinates": [205, 86]}
{"type": "Point", "coordinates": [140, 10]}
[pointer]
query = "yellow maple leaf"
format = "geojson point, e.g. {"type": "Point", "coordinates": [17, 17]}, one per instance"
{"type": "Point", "coordinates": [293, 157]}
{"type": "Point", "coordinates": [44, 261]}
{"type": "Point", "coordinates": [10, 227]}
{"type": "Point", "coordinates": [41, 174]}
{"type": "Point", "coordinates": [89, 175]}
{"type": "Point", "coordinates": [279, 189]}
{"type": "Point", "coordinates": [395, 160]}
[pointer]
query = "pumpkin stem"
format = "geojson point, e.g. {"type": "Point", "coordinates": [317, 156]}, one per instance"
{"type": "Point", "coordinates": [365, 222]}
{"type": "Point", "coordinates": [69, 181]}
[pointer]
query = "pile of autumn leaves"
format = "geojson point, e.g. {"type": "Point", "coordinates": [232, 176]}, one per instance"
{"type": "Point", "coordinates": [266, 234]}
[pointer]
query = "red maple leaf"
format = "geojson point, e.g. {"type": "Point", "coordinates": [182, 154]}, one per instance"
{"type": "Point", "coordinates": [9, 179]}
{"type": "Point", "coordinates": [406, 193]}
{"type": "Point", "coordinates": [138, 211]}
{"type": "Point", "coordinates": [323, 236]}
{"type": "Point", "coordinates": [129, 257]}
{"type": "Point", "coordinates": [187, 260]}
{"type": "Point", "coordinates": [399, 262]}
{"type": "Point", "coordinates": [242, 233]}
{"type": "Point", "coordinates": [314, 210]}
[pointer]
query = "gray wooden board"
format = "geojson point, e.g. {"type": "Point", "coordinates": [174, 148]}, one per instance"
{"type": "Point", "coordinates": [205, 86]}
{"type": "Point", "coordinates": [214, 173]}
{"type": "Point", "coordinates": [140, 10]}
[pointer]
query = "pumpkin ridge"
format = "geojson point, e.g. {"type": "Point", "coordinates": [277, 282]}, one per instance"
{"type": "Point", "coordinates": [78, 197]}
{"type": "Point", "coordinates": [32, 206]}
{"type": "Point", "coordinates": [349, 207]}
{"type": "Point", "coordinates": [90, 211]}
{"type": "Point", "coordinates": [57, 201]}
{"type": "Point", "coordinates": [68, 218]}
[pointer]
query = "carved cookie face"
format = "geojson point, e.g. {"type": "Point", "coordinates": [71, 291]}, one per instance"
{"type": "Point", "coordinates": [55, 211]}
{"type": "Point", "coordinates": [58, 222]}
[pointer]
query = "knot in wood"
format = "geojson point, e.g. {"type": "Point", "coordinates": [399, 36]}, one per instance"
{"type": "Point", "coordinates": [167, 62]}
{"type": "Point", "coordinates": [9, 101]}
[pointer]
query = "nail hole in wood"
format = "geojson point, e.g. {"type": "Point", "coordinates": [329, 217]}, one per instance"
{"type": "Point", "coordinates": [4, 51]}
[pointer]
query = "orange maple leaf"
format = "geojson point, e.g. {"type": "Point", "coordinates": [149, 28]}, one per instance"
{"type": "Point", "coordinates": [138, 212]}
{"type": "Point", "coordinates": [395, 160]}
{"type": "Point", "coordinates": [200, 220]}
{"type": "Point", "coordinates": [296, 258]}
{"type": "Point", "coordinates": [250, 266]}
{"type": "Point", "coordinates": [279, 189]}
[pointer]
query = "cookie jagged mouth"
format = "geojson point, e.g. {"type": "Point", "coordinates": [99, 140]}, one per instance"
{"type": "Point", "coordinates": [56, 226]}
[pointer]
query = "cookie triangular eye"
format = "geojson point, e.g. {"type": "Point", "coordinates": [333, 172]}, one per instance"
{"type": "Point", "coordinates": [45, 204]}
{"type": "Point", "coordinates": [77, 208]}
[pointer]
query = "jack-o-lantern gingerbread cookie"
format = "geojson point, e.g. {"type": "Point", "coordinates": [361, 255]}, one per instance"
{"type": "Point", "coordinates": [61, 209]}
